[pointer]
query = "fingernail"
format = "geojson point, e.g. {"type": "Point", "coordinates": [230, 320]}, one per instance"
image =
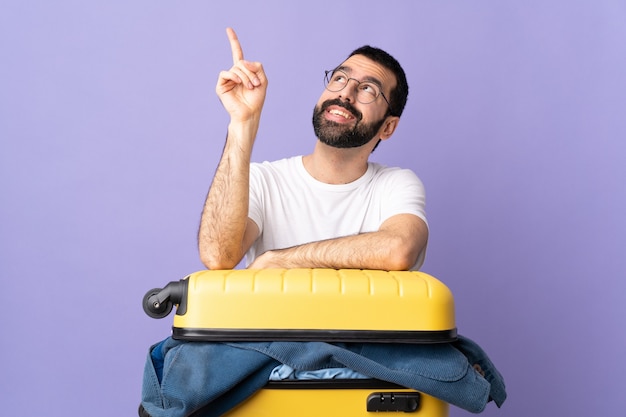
{"type": "Point", "coordinates": [256, 81]}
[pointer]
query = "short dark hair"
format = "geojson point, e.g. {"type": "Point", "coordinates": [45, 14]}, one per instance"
{"type": "Point", "coordinates": [400, 93]}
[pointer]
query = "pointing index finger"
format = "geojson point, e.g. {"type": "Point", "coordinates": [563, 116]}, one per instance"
{"type": "Point", "coordinates": [235, 46]}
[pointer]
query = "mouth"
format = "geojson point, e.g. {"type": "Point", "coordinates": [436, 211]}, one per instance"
{"type": "Point", "coordinates": [335, 111]}
{"type": "Point", "coordinates": [340, 112]}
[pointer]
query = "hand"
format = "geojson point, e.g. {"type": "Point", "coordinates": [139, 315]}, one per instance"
{"type": "Point", "coordinates": [242, 88]}
{"type": "Point", "coordinates": [266, 260]}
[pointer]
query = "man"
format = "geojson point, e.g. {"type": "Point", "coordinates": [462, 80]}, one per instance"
{"type": "Point", "coordinates": [329, 209]}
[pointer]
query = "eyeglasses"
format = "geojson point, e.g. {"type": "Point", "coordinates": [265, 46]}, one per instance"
{"type": "Point", "coordinates": [366, 92]}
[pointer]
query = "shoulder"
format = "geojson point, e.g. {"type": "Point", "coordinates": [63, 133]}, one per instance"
{"type": "Point", "coordinates": [394, 175]}
{"type": "Point", "coordinates": [281, 165]}
{"type": "Point", "coordinates": [279, 174]}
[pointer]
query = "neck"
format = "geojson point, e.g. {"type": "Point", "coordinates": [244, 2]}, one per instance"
{"type": "Point", "coordinates": [336, 166]}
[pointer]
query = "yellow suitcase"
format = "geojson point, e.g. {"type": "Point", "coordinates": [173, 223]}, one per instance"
{"type": "Point", "coordinates": [314, 305]}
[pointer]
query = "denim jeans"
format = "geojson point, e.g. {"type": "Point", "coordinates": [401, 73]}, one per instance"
{"type": "Point", "coordinates": [181, 377]}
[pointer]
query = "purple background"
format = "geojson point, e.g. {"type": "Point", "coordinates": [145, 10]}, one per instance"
{"type": "Point", "coordinates": [110, 133]}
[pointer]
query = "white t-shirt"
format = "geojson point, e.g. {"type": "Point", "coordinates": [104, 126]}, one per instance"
{"type": "Point", "coordinates": [291, 208]}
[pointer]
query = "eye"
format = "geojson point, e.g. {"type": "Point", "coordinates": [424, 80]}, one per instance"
{"type": "Point", "coordinates": [369, 89]}
{"type": "Point", "coordinates": [339, 78]}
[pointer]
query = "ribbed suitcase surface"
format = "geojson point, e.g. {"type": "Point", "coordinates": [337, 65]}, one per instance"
{"type": "Point", "coordinates": [315, 304]}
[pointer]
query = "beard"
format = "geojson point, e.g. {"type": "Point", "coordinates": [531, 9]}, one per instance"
{"type": "Point", "coordinates": [339, 136]}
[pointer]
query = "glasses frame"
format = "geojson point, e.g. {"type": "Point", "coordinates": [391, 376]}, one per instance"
{"type": "Point", "coordinates": [327, 73]}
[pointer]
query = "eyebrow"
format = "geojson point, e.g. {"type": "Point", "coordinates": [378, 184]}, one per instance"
{"type": "Point", "coordinates": [370, 79]}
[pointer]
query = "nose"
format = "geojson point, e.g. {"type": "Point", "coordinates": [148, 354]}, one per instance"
{"type": "Point", "coordinates": [349, 92]}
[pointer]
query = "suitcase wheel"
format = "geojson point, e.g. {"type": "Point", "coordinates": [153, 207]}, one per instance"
{"type": "Point", "coordinates": [153, 307]}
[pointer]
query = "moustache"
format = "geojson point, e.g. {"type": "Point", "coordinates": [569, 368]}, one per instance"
{"type": "Point", "coordinates": [343, 104]}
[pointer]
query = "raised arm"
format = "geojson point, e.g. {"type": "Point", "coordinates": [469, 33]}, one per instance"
{"type": "Point", "coordinates": [225, 231]}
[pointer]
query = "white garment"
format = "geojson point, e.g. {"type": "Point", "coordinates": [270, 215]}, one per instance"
{"type": "Point", "coordinates": [291, 208]}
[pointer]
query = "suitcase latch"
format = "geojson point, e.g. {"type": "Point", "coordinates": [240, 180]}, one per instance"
{"type": "Point", "coordinates": [393, 401]}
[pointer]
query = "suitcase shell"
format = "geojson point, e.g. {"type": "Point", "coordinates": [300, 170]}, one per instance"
{"type": "Point", "coordinates": [315, 304]}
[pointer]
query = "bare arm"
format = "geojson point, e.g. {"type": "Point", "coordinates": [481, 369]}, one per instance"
{"type": "Point", "coordinates": [225, 231]}
{"type": "Point", "coordinates": [394, 247]}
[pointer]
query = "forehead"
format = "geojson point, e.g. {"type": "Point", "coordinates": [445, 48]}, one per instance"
{"type": "Point", "coordinates": [364, 69]}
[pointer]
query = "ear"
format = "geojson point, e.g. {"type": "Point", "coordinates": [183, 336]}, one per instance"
{"type": "Point", "coordinates": [389, 127]}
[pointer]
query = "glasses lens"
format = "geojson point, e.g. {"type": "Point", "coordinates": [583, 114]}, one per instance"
{"type": "Point", "coordinates": [367, 92]}
{"type": "Point", "coordinates": [337, 80]}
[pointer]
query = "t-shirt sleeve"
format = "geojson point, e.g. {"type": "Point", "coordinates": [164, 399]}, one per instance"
{"type": "Point", "coordinates": [403, 193]}
{"type": "Point", "coordinates": [255, 206]}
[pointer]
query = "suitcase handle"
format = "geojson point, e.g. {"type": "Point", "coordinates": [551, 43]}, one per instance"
{"type": "Point", "coordinates": [408, 402]}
